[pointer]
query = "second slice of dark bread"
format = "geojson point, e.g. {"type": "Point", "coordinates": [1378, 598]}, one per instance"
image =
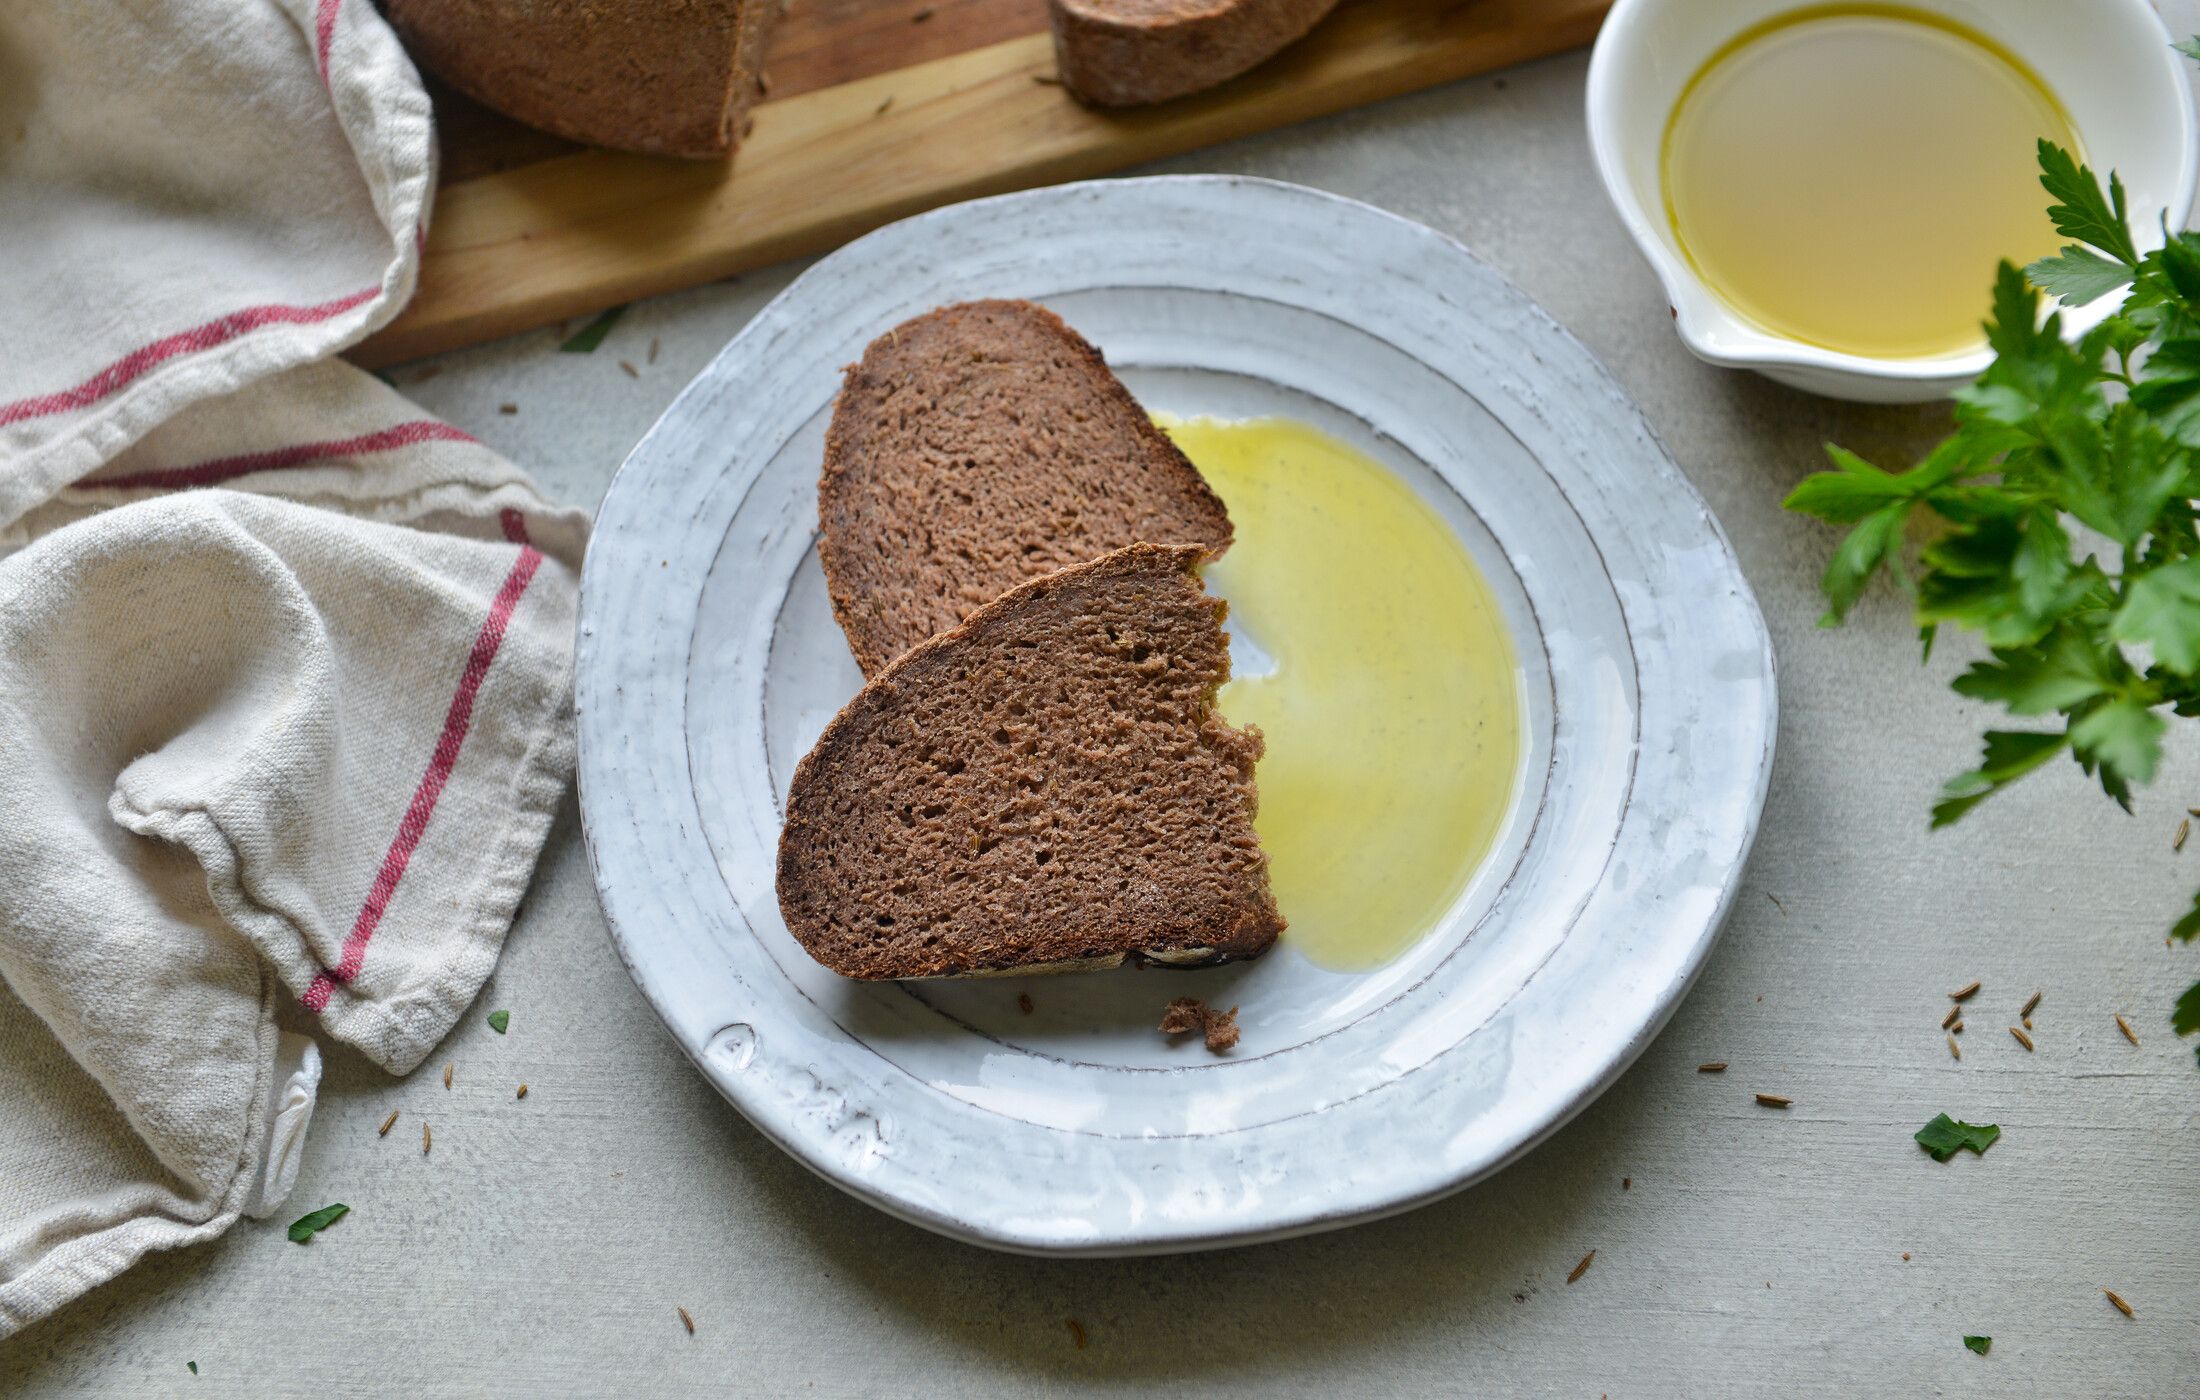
{"type": "Point", "coordinates": [978, 446]}
{"type": "Point", "coordinates": [1046, 784]}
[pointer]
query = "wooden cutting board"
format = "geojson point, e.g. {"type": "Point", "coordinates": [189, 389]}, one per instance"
{"type": "Point", "coordinates": [877, 109]}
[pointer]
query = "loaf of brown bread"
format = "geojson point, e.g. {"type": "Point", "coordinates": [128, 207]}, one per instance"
{"type": "Point", "coordinates": [671, 77]}
{"type": "Point", "coordinates": [1119, 53]}
{"type": "Point", "coordinates": [1045, 786]}
{"type": "Point", "coordinates": [978, 446]}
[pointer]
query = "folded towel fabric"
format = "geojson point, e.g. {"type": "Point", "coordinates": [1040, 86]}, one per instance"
{"type": "Point", "coordinates": [285, 663]}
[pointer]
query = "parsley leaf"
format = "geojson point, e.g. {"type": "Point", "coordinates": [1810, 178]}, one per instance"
{"type": "Point", "coordinates": [306, 1226]}
{"type": "Point", "coordinates": [2082, 213]}
{"type": "Point", "coordinates": [2078, 276]}
{"type": "Point", "coordinates": [585, 340]}
{"type": "Point", "coordinates": [2190, 48]}
{"type": "Point", "coordinates": [2162, 609]}
{"type": "Point", "coordinates": [2009, 756]}
{"type": "Point", "coordinates": [1944, 1137]}
{"type": "Point", "coordinates": [1981, 1345]}
{"type": "Point", "coordinates": [194, 1366]}
{"type": "Point", "coordinates": [498, 1020]}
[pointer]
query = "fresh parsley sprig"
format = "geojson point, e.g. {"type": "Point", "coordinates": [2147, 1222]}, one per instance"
{"type": "Point", "coordinates": [2065, 512]}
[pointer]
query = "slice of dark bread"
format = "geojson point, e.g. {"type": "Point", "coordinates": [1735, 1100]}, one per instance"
{"type": "Point", "coordinates": [1120, 53]}
{"type": "Point", "coordinates": [668, 78]}
{"type": "Point", "coordinates": [979, 446]}
{"type": "Point", "coordinates": [1045, 786]}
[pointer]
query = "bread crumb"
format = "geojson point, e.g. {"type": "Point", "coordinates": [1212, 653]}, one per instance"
{"type": "Point", "coordinates": [1186, 1015]}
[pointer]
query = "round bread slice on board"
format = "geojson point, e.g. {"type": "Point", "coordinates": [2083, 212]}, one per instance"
{"type": "Point", "coordinates": [1121, 53]}
{"type": "Point", "coordinates": [976, 447]}
{"type": "Point", "coordinates": [1045, 787]}
{"type": "Point", "coordinates": [672, 78]}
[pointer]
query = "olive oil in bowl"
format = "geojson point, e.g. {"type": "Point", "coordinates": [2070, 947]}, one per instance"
{"type": "Point", "coordinates": [1848, 176]}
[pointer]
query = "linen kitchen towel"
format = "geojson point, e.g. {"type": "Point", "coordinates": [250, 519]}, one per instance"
{"type": "Point", "coordinates": [285, 664]}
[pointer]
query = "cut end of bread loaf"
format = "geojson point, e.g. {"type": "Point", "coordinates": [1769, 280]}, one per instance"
{"type": "Point", "coordinates": [674, 78]}
{"type": "Point", "coordinates": [1047, 783]}
{"type": "Point", "coordinates": [977, 447]}
{"type": "Point", "coordinates": [1123, 53]}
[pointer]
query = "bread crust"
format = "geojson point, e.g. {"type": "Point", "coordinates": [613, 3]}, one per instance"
{"type": "Point", "coordinates": [1123, 53]}
{"type": "Point", "coordinates": [875, 890]}
{"type": "Point", "coordinates": [670, 77]}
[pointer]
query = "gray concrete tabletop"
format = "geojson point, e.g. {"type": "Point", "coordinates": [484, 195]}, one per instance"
{"type": "Point", "coordinates": [547, 1246]}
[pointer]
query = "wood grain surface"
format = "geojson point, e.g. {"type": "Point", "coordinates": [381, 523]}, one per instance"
{"type": "Point", "coordinates": [875, 113]}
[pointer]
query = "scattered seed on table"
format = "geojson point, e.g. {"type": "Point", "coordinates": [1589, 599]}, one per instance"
{"type": "Point", "coordinates": [1954, 1049]}
{"type": "Point", "coordinates": [1713, 1067]}
{"type": "Point", "coordinates": [1582, 1267]}
{"type": "Point", "coordinates": [1905, 1256]}
{"type": "Point", "coordinates": [523, 1091]}
{"type": "Point", "coordinates": [884, 105]}
{"type": "Point", "coordinates": [2125, 1026]}
{"type": "Point", "coordinates": [1964, 993]}
{"type": "Point", "coordinates": [2184, 829]}
{"type": "Point", "coordinates": [1956, 1029]}
{"type": "Point", "coordinates": [1076, 1332]}
{"type": "Point", "coordinates": [687, 1320]}
{"type": "Point", "coordinates": [2031, 1004]}
{"type": "Point", "coordinates": [631, 372]}
{"type": "Point", "coordinates": [2118, 1299]}
{"type": "Point", "coordinates": [427, 1140]}
{"type": "Point", "coordinates": [2027, 1022]}
{"type": "Point", "coordinates": [1774, 1100]}
{"type": "Point", "coordinates": [1626, 1182]}
{"type": "Point", "coordinates": [1023, 1003]}
{"type": "Point", "coordinates": [654, 344]}
{"type": "Point", "coordinates": [507, 409]}
{"type": "Point", "coordinates": [2022, 1039]}
{"type": "Point", "coordinates": [1955, 1014]}
{"type": "Point", "coordinates": [447, 1074]}
{"type": "Point", "coordinates": [384, 1130]}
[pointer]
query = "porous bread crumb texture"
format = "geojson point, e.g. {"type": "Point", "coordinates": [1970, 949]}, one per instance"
{"type": "Point", "coordinates": [1186, 1015]}
{"type": "Point", "coordinates": [977, 447]}
{"type": "Point", "coordinates": [1120, 53]}
{"type": "Point", "coordinates": [672, 77]}
{"type": "Point", "coordinates": [1046, 782]}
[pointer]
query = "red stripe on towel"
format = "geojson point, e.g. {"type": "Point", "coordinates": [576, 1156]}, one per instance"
{"type": "Point", "coordinates": [206, 337]}
{"type": "Point", "coordinates": [324, 33]}
{"type": "Point", "coordinates": [460, 717]}
{"type": "Point", "coordinates": [223, 469]}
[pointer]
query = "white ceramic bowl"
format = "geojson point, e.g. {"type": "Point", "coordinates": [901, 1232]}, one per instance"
{"type": "Point", "coordinates": [2109, 61]}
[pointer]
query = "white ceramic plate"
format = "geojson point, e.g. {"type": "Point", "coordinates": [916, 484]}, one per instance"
{"type": "Point", "coordinates": [709, 661]}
